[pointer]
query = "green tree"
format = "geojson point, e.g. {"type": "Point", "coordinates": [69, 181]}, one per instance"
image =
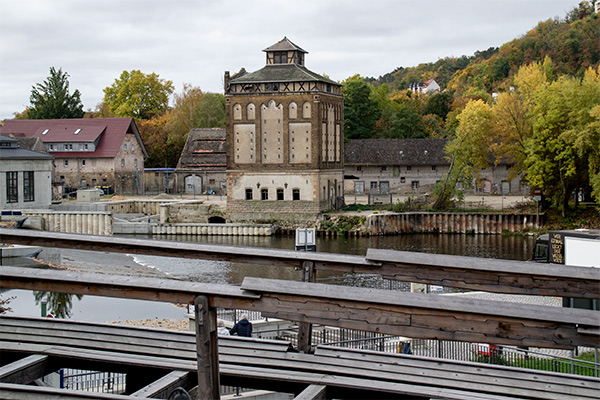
{"type": "Point", "coordinates": [361, 110]}
{"type": "Point", "coordinates": [138, 95]}
{"type": "Point", "coordinates": [468, 151]}
{"type": "Point", "coordinates": [511, 129]}
{"type": "Point", "coordinates": [51, 99]}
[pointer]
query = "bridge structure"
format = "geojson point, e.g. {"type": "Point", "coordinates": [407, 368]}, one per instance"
{"type": "Point", "coordinates": [157, 361]}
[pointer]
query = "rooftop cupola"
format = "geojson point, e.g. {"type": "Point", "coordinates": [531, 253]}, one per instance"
{"type": "Point", "coordinates": [285, 52]}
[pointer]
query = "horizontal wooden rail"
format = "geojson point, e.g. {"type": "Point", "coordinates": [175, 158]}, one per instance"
{"type": "Point", "coordinates": [390, 312]}
{"type": "Point", "coordinates": [500, 276]}
{"type": "Point", "coordinates": [491, 275]}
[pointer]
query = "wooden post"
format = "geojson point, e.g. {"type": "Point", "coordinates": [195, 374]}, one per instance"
{"type": "Point", "coordinates": [207, 351]}
{"type": "Point", "coordinates": [304, 328]}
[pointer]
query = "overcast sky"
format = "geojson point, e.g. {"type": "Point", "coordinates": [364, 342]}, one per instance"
{"type": "Point", "coordinates": [195, 42]}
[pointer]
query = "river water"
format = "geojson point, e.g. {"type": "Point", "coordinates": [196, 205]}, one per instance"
{"type": "Point", "coordinates": [91, 308]}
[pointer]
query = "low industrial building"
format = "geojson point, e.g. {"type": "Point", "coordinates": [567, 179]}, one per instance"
{"type": "Point", "coordinates": [25, 177]}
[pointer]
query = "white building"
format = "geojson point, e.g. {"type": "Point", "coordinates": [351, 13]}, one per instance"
{"type": "Point", "coordinates": [25, 177]}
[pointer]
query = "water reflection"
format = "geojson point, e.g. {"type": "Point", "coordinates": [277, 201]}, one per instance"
{"type": "Point", "coordinates": [57, 304]}
{"type": "Point", "coordinates": [488, 246]}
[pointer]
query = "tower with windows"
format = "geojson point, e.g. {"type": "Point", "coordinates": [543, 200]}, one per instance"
{"type": "Point", "coordinates": [284, 139]}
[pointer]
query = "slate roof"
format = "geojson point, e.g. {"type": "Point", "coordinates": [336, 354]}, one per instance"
{"type": "Point", "coordinates": [390, 152]}
{"type": "Point", "coordinates": [204, 150]}
{"type": "Point", "coordinates": [16, 153]}
{"type": "Point", "coordinates": [109, 132]}
{"type": "Point", "coordinates": [284, 45]}
{"type": "Point", "coordinates": [282, 73]}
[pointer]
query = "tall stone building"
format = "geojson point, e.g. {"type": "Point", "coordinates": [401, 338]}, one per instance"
{"type": "Point", "coordinates": [284, 140]}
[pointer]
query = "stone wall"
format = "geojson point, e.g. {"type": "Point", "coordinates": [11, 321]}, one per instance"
{"type": "Point", "coordinates": [88, 223]}
{"type": "Point", "coordinates": [284, 212]}
{"type": "Point", "coordinates": [190, 211]}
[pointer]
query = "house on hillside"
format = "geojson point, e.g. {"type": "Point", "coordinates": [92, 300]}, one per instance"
{"type": "Point", "coordinates": [284, 139]}
{"type": "Point", "coordinates": [413, 166]}
{"type": "Point", "coordinates": [25, 176]}
{"type": "Point", "coordinates": [431, 86]}
{"type": "Point", "coordinates": [89, 152]}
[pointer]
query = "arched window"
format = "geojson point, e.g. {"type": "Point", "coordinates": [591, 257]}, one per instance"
{"type": "Point", "coordinates": [293, 111]}
{"type": "Point", "coordinates": [306, 110]}
{"type": "Point", "coordinates": [237, 111]}
{"type": "Point", "coordinates": [250, 111]}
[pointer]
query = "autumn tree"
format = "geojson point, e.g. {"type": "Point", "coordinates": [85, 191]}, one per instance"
{"type": "Point", "coordinates": [138, 95]}
{"type": "Point", "coordinates": [52, 100]}
{"type": "Point", "coordinates": [468, 151]}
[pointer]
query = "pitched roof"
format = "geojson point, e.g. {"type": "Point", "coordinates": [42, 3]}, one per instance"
{"type": "Point", "coordinates": [204, 150]}
{"type": "Point", "coordinates": [109, 132]}
{"type": "Point", "coordinates": [284, 45]}
{"type": "Point", "coordinates": [282, 73]}
{"type": "Point", "coordinates": [17, 153]}
{"type": "Point", "coordinates": [395, 152]}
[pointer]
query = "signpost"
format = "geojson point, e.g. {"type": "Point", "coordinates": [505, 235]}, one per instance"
{"type": "Point", "coordinates": [305, 239]}
{"type": "Point", "coordinates": [537, 196]}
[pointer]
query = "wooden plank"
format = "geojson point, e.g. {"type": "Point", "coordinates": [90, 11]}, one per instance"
{"type": "Point", "coordinates": [313, 392]}
{"type": "Point", "coordinates": [167, 248]}
{"type": "Point", "coordinates": [207, 349]}
{"type": "Point", "coordinates": [502, 276]}
{"type": "Point", "coordinates": [419, 300]}
{"type": "Point", "coordinates": [140, 288]}
{"type": "Point", "coordinates": [163, 387]}
{"type": "Point", "coordinates": [10, 391]}
{"type": "Point", "coordinates": [435, 373]}
{"type": "Point", "coordinates": [26, 370]}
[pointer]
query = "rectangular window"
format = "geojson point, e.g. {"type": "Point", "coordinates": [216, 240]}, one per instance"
{"type": "Point", "coordinates": [125, 147]}
{"type": "Point", "coordinates": [279, 194]}
{"type": "Point", "coordinates": [359, 168]}
{"type": "Point", "coordinates": [28, 186]}
{"type": "Point", "coordinates": [434, 167]}
{"type": "Point", "coordinates": [248, 194]}
{"type": "Point", "coordinates": [384, 168]}
{"type": "Point", "coordinates": [135, 163]}
{"type": "Point", "coordinates": [12, 188]}
{"type": "Point", "coordinates": [132, 147]}
{"type": "Point", "coordinates": [122, 162]}
{"type": "Point", "coordinates": [415, 185]}
{"type": "Point", "coordinates": [264, 194]}
{"type": "Point", "coordinates": [402, 179]}
{"type": "Point", "coordinates": [66, 163]}
{"type": "Point", "coordinates": [408, 168]}
{"type": "Point", "coordinates": [296, 194]}
{"type": "Point", "coordinates": [373, 185]}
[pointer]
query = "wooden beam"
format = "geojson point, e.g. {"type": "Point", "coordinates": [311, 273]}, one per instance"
{"type": "Point", "coordinates": [140, 288]}
{"type": "Point", "coordinates": [25, 371]}
{"type": "Point", "coordinates": [313, 392]}
{"type": "Point", "coordinates": [304, 328]}
{"type": "Point", "coordinates": [207, 349]}
{"type": "Point", "coordinates": [10, 391]}
{"type": "Point", "coordinates": [163, 387]}
{"type": "Point", "coordinates": [425, 316]}
{"type": "Point", "coordinates": [492, 275]}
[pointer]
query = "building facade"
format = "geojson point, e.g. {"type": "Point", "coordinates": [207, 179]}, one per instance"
{"type": "Point", "coordinates": [414, 166]}
{"type": "Point", "coordinates": [25, 177]}
{"type": "Point", "coordinates": [89, 152]}
{"type": "Point", "coordinates": [284, 139]}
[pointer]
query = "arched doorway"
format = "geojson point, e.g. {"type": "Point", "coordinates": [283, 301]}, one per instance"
{"type": "Point", "coordinates": [216, 220]}
{"type": "Point", "coordinates": [193, 184]}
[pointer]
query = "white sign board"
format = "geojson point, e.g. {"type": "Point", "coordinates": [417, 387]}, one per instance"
{"type": "Point", "coordinates": [305, 237]}
{"type": "Point", "coordinates": [582, 252]}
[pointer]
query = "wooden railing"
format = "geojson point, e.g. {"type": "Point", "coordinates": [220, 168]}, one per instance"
{"type": "Point", "coordinates": [389, 312]}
